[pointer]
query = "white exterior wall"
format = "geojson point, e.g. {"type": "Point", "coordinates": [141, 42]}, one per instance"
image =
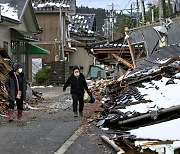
{"type": "Point", "coordinates": [5, 36]}
{"type": "Point", "coordinates": [5, 33]}
{"type": "Point", "coordinates": [22, 26]}
{"type": "Point", "coordinates": [81, 58]}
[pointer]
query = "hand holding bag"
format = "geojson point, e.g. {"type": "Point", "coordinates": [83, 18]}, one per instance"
{"type": "Point", "coordinates": [86, 98]}
{"type": "Point", "coordinates": [92, 98]}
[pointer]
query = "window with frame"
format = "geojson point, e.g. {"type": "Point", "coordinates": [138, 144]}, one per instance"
{"type": "Point", "coordinates": [5, 45]}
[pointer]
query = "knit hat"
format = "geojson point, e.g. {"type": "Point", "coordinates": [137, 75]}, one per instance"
{"type": "Point", "coordinates": [76, 68]}
{"type": "Point", "coordinates": [16, 66]}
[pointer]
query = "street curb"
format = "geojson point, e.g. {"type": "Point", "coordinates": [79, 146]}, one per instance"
{"type": "Point", "coordinates": [69, 142]}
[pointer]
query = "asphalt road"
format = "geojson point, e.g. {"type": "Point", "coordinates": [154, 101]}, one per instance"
{"type": "Point", "coordinates": [44, 131]}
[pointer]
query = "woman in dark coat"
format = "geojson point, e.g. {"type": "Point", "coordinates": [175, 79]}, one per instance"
{"type": "Point", "coordinates": [16, 88]}
{"type": "Point", "coordinates": [78, 85]}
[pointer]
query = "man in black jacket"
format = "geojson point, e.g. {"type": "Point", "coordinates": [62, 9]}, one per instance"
{"type": "Point", "coordinates": [78, 85]}
{"type": "Point", "coordinates": [16, 87]}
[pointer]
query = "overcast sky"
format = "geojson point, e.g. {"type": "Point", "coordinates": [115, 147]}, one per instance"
{"type": "Point", "coordinates": [118, 4]}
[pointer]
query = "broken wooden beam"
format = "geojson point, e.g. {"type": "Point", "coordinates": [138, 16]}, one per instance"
{"type": "Point", "coordinates": [112, 144]}
{"type": "Point", "coordinates": [123, 61]}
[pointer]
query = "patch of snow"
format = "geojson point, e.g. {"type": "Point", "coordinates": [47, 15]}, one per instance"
{"type": "Point", "coordinates": [8, 11]}
{"type": "Point", "coordinates": [38, 87]}
{"type": "Point", "coordinates": [50, 86]}
{"type": "Point", "coordinates": [177, 75]}
{"type": "Point", "coordinates": [162, 95]}
{"type": "Point", "coordinates": [154, 132]}
{"type": "Point", "coordinates": [36, 65]}
{"type": "Point", "coordinates": [155, 146]}
{"type": "Point", "coordinates": [176, 145]}
{"type": "Point", "coordinates": [62, 104]}
{"type": "Point", "coordinates": [162, 61]}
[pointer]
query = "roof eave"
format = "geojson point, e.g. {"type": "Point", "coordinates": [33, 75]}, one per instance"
{"type": "Point", "coordinates": [13, 21]}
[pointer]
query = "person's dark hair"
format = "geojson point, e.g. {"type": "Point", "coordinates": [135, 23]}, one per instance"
{"type": "Point", "coordinates": [76, 68]}
{"type": "Point", "coordinates": [16, 66]}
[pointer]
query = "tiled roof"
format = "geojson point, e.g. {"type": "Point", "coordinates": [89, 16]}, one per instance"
{"type": "Point", "coordinates": [12, 9]}
{"type": "Point", "coordinates": [83, 24]}
{"type": "Point", "coordinates": [53, 5]}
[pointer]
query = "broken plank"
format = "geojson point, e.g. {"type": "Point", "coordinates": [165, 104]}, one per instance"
{"type": "Point", "coordinates": [112, 144]}
{"type": "Point", "coordinates": [123, 61]}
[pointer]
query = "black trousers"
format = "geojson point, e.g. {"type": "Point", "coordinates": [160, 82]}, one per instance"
{"type": "Point", "coordinates": [78, 97]}
{"type": "Point", "coordinates": [19, 103]}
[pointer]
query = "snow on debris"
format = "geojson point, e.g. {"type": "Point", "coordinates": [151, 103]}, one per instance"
{"type": "Point", "coordinates": [158, 147]}
{"type": "Point", "coordinates": [8, 11]}
{"type": "Point", "coordinates": [162, 95]}
{"type": "Point", "coordinates": [163, 61]}
{"type": "Point", "coordinates": [41, 87]}
{"type": "Point", "coordinates": [37, 87]}
{"type": "Point", "coordinates": [154, 132]}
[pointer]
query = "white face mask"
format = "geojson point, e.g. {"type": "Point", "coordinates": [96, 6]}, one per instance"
{"type": "Point", "coordinates": [20, 70]}
{"type": "Point", "coordinates": [76, 74]}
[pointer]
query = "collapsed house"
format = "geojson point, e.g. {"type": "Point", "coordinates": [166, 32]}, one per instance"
{"type": "Point", "coordinates": [142, 103]}
{"type": "Point", "coordinates": [5, 67]}
{"type": "Point", "coordinates": [82, 30]}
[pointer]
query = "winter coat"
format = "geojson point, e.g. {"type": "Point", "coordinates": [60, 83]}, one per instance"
{"type": "Point", "coordinates": [10, 84]}
{"type": "Point", "coordinates": [78, 84]}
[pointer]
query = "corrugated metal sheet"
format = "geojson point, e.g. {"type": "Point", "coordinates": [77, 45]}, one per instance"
{"type": "Point", "coordinates": [162, 53]}
{"type": "Point", "coordinates": [149, 36]}
{"type": "Point", "coordinates": [174, 32]}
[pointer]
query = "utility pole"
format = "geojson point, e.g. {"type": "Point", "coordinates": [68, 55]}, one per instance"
{"type": "Point", "coordinates": [112, 15]}
{"type": "Point", "coordinates": [61, 46]}
{"type": "Point", "coordinates": [106, 28]}
{"type": "Point", "coordinates": [169, 7]}
{"type": "Point", "coordinates": [173, 6]}
{"type": "Point", "coordinates": [143, 11]}
{"type": "Point", "coordinates": [162, 11]}
{"type": "Point", "coordinates": [131, 9]}
{"type": "Point", "coordinates": [152, 13]}
{"type": "Point", "coordinates": [151, 7]}
{"type": "Point", "coordinates": [112, 20]}
{"type": "Point", "coordinates": [0, 11]}
{"type": "Point", "coordinates": [137, 16]}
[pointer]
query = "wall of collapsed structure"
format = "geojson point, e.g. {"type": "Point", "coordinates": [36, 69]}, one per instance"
{"type": "Point", "coordinates": [143, 98]}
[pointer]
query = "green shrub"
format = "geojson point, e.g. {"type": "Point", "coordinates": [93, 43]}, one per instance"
{"type": "Point", "coordinates": [42, 76]}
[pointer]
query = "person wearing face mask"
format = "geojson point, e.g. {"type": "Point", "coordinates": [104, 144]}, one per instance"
{"type": "Point", "coordinates": [16, 87]}
{"type": "Point", "coordinates": [78, 85]}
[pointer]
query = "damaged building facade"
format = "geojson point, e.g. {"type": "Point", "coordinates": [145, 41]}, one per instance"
{"type": "Point", "coordinates": [65, 35]}
{"type": "Point", "coordinates": [18, 32]}
{"type": "Point", "coordinates": [140, 109]}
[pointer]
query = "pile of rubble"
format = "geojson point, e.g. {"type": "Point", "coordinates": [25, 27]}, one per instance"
{"type": "Point", "coordinates": [6, 64]}
{"type": "Point", "coordinates": [140, 101]}
{"type": "Point", "coordinates": [5, 68]}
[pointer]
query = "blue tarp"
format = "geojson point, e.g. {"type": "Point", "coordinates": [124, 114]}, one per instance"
{"type": "Point", "coordinates": [96, 71]}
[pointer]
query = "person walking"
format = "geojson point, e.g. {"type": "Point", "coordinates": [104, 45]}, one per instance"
{"type": "Point", "coordinates": [78, 85]}
{"type": "Point", "coordinates": [16, 87]}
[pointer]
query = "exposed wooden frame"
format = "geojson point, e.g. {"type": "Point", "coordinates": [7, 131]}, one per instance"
{"type": "Point", "coordinates": [127, 63]}
{"type": "Point", "coordinates": [132, 53]}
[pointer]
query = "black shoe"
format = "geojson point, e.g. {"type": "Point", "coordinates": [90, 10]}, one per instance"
{"type": "Point", "coordinates": [81, 114]}
{"type": "Point", "coordinates": [11, 120]}
{"type": "Point", "coordinates": [75, 114]}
